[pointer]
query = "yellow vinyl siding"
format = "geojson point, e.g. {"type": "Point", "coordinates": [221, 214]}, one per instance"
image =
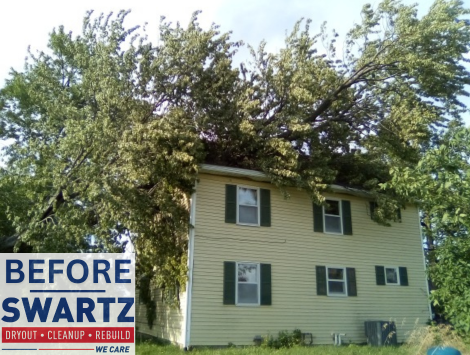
{"type": "Point", "coordinates": [293, 250]}
{"type": "Point", "coordinates": [168, 324]}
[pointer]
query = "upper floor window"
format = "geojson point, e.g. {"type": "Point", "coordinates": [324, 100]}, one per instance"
{"type": "Point", "coordinates": [332, 217]}
{"type": "Point", "coordinates": [373, 206]}
{"type": "Point", "coordinates": [248, 207]}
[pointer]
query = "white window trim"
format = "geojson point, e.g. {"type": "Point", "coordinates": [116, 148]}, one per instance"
{"type": "Point", "coordinates": [258, 270]}
{"type": "Point", "coordinates": [345, 280]}
{"type": "Point", "coordinates": [398, 283]}
{"type": "Point", "coordinates": [340, 216]}
{"type": "Point", "coordinates": [258, 206]}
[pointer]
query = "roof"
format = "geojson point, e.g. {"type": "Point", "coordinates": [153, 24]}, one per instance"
{"type": "Point", "coordinates": [260, 176]}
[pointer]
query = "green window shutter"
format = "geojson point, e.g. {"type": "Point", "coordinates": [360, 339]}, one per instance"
{"type": "Point", "coordinates": [321, 280]}
{"type": "Point", "coordinates": [266, 298]}
{"type": "Point", "coordinates": [380, 275]}
{"type": "Point", "coordinates": [229, 282]}
{"type": "Point", "coordinates": [372, 205]}
{"type": "Point", "coordinates": [346, 212]}
{"type": "Point", "coordinates": [351, 278]}
{"type": "Point", "coordinates": [265, 213]}
{"type": "Point", "coordinates": [403, 276]}
{"type": "Point", "coordinates": [230, 203]}
{"type": "Point", "coordinates": [399, 214]}
{"type": "Point", "coordinates": [317, 218]}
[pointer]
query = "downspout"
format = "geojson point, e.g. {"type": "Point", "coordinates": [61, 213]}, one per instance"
{"type": "Point", "coordinates": [424, 264]}
{"type": "Point", "coordinates": [189, 286]}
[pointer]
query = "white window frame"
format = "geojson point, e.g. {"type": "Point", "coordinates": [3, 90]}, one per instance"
{"type": "Point", "coordinates": [258, 271]}
{"type": "Point", "coordinates": [333, 215]}
{"type": "Point", "coordinates": [345, 280]}
{"type": "Point", "coordinates": [258, 206]}
{"type": "Point", "coordinates": [398, 283]}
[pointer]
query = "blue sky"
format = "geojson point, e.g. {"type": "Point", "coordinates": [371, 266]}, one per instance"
{"type": "Point", "coordinates": [28, 22]}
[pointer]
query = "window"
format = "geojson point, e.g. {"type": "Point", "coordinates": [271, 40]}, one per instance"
{"type": "Point", "coordinates": [392, 276]}
{"type": "Point", "coordinates": [332, 217]}
{"type": "Point", "coordinates": [336, 281]}
{"type": "Point", "coordinates": [246, 205]}
{"type": "Point", "coordinates": [248, 211]}
{"type": "Point", "coordinates": [247, 283]}
{"type": "Point", "coordinates": [373, 206]}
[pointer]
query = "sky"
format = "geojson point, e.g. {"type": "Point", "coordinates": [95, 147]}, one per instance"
{"type": "Point", "coordinates": [26, 23]}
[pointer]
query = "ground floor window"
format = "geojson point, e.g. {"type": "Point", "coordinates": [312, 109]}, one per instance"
{"type": "Point", "coordinates": [247, 283]}
{"type": "Point", "coordinates": [336, 281]}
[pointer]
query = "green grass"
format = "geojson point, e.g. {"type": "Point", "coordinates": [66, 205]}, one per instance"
{"type": "Point", "coordinates": [418, 342]}
{"type": "Point", "coordinates": [152, 349]}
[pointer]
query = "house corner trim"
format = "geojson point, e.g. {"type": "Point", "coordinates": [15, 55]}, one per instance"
{"type": "Point", "coordinates": [189, 285]}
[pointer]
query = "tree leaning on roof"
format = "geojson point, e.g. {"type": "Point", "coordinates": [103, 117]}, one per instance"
{"type": "Point", "coordinates": [109, 129]}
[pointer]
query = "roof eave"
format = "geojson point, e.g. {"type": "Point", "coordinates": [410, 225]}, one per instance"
{"type": "Point", "coordinates": [259, 176]}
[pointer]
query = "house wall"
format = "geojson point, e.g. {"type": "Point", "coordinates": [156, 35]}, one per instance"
{"type": "Point", "coordinates": [168, 323]}
{"type": "Point", "coordinates": [293, 250]}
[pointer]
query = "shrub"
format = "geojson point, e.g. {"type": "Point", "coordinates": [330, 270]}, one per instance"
{"type": "Point", "coordinates": [284, 339]}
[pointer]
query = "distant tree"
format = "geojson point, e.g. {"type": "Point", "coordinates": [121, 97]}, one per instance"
{"type": "Point", "coordinates": [109, 129]}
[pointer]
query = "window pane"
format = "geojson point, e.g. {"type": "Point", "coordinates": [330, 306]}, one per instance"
{"type": "Point", "coordinates": [333, 224]}
{"type": "Point", "coordinates": [335, 274]}
{"type": "Point", "coordinates": [248, 214]}
{"type": "Point", "coordinates": [336, 287]}
{"type": "Point", "coordinates": [247, 293]}
{"type": "Point", "coordinates": [247, 196]}
{"type": "Point", "coordinates": [332, 207]}
{"type": "Point", "coordinates": [392, 277]}
{"type": "Point", "coordinates": [247, 273]}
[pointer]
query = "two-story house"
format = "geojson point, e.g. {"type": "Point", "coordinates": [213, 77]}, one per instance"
{"type": "Point", "coordinates": [260, 263]}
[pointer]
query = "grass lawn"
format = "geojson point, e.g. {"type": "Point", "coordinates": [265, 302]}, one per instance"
{"type": "Point", "coordinates": [152, 349]}
{"type": "Point", "coordinates": [419, 341]}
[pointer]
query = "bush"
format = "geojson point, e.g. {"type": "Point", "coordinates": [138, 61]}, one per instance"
{"type": "Point", "coordinates": [284, 339]}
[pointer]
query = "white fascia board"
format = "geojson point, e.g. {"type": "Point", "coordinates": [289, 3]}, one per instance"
{"type": "Point", "coordinates": [235, 172]}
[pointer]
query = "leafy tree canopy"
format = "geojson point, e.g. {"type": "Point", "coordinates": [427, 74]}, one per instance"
{"type": "Point", "coordinates": [441, 183]}
{"type": "Point", "coordinates": [109, 128]}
